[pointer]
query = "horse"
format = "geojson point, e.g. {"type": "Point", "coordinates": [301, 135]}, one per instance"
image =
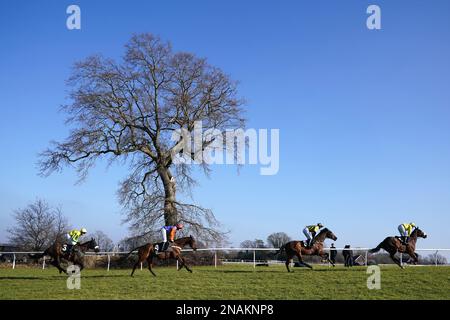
{"type": "Point", "coordinates": [393, 245]}
{"type": "Point", "coordinates": [147, 252]}
{"type": "Point", "coordinates": [297, 248]}
{"type": "Point", "coordinates": [76, 256]}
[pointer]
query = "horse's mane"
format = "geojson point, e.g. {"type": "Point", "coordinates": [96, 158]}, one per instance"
{"type": "Point", "coordinates": [85, 243]}
{"type": "Point", "coordinates": [184, 239]}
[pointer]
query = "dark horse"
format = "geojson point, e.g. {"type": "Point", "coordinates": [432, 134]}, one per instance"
{"type": "Point", "coordinates": [393, 245]}
{"type": "Point", "coordinates": [297, 248]}
{"type": "Point", "coordinates": [76, 256]}
{"type": "Point", "coordinates": [147, 252]}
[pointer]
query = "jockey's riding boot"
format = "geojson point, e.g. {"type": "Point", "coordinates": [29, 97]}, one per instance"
{"type": "Point", "coordinates": [156, 249]}
{"type": "Point", "coordinates": [406, 241]}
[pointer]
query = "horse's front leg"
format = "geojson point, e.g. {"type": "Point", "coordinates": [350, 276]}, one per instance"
{"type": "Point", "coordinates": [326, 257]}
{"type": "Point", "coordinates": [183, 264]}
{"type": "Point", "coordinates": [57, 263]}
{"type": "Point", "coordinates": [397, 261]}
{"type": "Point", "coordinates": [414, 256]}
{"type": "Point", "coordinates": [300, 259]}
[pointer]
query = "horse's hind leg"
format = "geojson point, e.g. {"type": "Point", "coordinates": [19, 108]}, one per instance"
{"type": "Point", "coordinates": [150, 264]}
{"type": "Point", "coordinates": [288, 261]}
{"type": "Point", "coordinates": [134, 268]}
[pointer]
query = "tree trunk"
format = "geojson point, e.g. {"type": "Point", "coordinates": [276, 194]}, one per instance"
{"type": "Point", "coordinates": [170, 211]}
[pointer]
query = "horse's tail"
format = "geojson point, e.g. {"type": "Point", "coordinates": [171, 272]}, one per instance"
{"type": "Point", "coordinates": [129, 253]}
{"type": "Point", "coordinates": [282, 248]}
{"type": "Point", "coordinates": [376, 249]}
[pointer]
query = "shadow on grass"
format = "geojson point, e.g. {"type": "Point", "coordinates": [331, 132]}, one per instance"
{"type": "Point", "coordinates": [60, 277]}
{"type": "Point", "coordinates": [34, 278]}
{"type": "Point", "coordinates": [354, 269]}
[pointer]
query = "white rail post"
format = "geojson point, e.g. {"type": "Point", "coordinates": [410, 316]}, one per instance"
{"type": "Point", "coordinates": [109, 261]}
{"type": "Point", "coordinates": [367, 251]}
{"type": "Point", "coordinates": [141, 265]}
{"type": "Point", "coordinates": [436, 258]}
{"type": "Point", "coordinates": [43, 263]}
{"type": "Point", "coordinates": [401, 259]}
{"type": "Point", "coordinates": [177, 264]}
{"type": "Point", "coordinates": [14, 261]}
{"type": "Point", "coordinates": [254, 258]}
{"type": "Point", "coordinates": [215, 259]}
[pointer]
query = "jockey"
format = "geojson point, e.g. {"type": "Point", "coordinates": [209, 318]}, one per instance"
{"type": "Point", "coordinates": [310, 232]}
{"type": "Point", "coordinates": [171, 231]}
{"type": "Point", "coordinates": [73, 236]}
{"type": "Point", "coordinates": [405, 230]}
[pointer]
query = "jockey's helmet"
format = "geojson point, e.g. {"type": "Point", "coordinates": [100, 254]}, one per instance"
{"type": "Point", "coordinates": [179, 226]}
{"type": "Point", "coordinates": [83, 230]}
{"type": "Point", "coordinates": [412, 224]}
{"type": "Point", "coordinates": [320, 225]}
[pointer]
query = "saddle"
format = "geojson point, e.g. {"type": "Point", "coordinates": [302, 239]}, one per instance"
{"type": "Point", "coordinates": [70, 251]}
{"type": "Point", "coordinates": [399, 238]}
{"type": "Point", "coordinates": [163, 247]}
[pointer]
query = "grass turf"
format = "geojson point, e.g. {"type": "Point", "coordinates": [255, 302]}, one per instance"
{"type": "Point", "coordinates": [229, 282]}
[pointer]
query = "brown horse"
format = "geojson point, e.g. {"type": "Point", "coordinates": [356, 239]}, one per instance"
{"type": "Point", "coordinates": [393, 245]}
{"type": "Point", "coordinates": [76, 256]}
{"type": "Point", "coordinates": [297, 248]}
{"type": "Point", "coordinates": [147, 252]}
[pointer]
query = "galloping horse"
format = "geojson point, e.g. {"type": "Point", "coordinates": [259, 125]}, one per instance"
{"type": "Point", "coordinates": [76, 256]}
{"type": "Point", "coordinates": [297, 248]}
{"type": "Point", "coordinates": [147, 252]}
{"type": "Point", "coordinates": [393, 245]}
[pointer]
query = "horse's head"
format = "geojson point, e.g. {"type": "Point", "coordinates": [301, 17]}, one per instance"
{"type": "Point", "coordinates": [329, 234]}
{"type": "Point", "coordinates": [193, 243]}
{"type": "Point", "coordinates": [92, 245]}
{"type": "Point", "coordinates": [420, 233]}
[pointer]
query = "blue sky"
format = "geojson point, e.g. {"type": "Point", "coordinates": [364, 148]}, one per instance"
{"type": "Point", "coordinates": [363, 115]}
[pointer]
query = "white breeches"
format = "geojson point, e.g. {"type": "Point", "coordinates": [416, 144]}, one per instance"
{"type": "Point", "coordinates": [402, 230]}
{"type": "Point", "coordinates": [164, 234]}
{"type": "Point", "coordinates": [307, 234]}
{"type": "Point", "coordinates": [69, 240]}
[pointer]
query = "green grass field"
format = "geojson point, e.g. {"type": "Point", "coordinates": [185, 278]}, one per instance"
{"type": "Point", "coordinates": [229, 282]}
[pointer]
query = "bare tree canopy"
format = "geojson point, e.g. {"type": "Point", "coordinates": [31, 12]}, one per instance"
{"type": "Point", "coordinates": [37, 226]}
{"type": "Point", "coordinates": [277, 239]}
{"type": "Point", "coordinates": [257, 243]}
{"type": "Point", "coordinates": [129, 110]}
{"type": "Point", "coordinates": [103, 241]}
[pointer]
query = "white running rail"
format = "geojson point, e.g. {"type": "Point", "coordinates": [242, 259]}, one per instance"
{"type": "Point", "coordinates": [215, 250]}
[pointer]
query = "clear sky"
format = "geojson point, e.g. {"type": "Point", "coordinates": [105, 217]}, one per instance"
{"type": "Point", "coordinates": [364, 116]}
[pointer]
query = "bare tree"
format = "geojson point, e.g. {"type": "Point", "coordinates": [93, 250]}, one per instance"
{"type": "Point", "coordinates": [129, 111]}
{"type": "Point", "coordinates": [131, 242]}
{"type": "Point", "coordinates": [277, 239]}
{"type": "Point", "coordinates": [37, 226]}
{"type": "Point", "coordinates": [103, 241]}
{"type": "Point", "coordinates": [257, 243]}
